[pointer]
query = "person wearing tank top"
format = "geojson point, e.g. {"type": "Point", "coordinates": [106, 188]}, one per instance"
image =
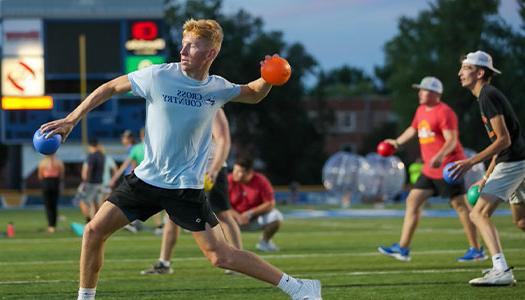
{"type": "Point", "coordinates": [51, 174]}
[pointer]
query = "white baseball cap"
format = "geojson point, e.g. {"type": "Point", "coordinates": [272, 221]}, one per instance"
{"type": "Point", "coordinates": [430, 83]}
{"type": "Point", "coordinates": [480, 58]}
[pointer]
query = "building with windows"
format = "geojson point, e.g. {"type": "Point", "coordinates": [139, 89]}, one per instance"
{"type": "Point", "coordinates": [353, 118]}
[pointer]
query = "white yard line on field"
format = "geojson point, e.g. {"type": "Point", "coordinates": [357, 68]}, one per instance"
{"type": "Point", "coordinates": [266, 256]}
{"type": "Point", "coordinates": [359, 273]}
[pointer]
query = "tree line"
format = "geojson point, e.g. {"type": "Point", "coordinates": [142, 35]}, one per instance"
{"type": "Point", "coordinates": [290, 143]}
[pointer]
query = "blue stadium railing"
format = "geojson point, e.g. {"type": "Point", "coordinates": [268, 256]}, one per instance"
{"type": "Point", "coordinates": [106, 122]}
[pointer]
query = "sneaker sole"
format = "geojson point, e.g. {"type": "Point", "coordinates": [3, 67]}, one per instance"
{"type": "Point", "coordinates": [394, 255]}
{"type": "Point", "coordinates": [265, 249]}
{"type": "Point", "coordinates": [513, 283]}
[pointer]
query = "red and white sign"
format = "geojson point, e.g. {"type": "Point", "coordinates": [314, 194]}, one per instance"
{"type": "Point", "coordinates": [23, 76]}
{"type": "Point", "coordinates": [145, 39]}
{"type": "Point", "coordinates": [22, 37]}
{"type": "Point", "coordinates": [144, 30]}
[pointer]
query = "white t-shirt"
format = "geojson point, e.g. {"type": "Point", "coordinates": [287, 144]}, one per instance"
{"type": "Point", "coordinates": [179, 115]}
{"type": "Point", "coordinates": [109, 164]}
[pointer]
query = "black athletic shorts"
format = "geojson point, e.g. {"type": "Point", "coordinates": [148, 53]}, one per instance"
{"type": "Point", "coordinates": [188, 208]}
{"type": "Point", "coordinates": [218, 196]}
{"type": "Point", "coordinates": [439, 187]}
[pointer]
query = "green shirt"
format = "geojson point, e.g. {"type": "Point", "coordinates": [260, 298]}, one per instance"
{"type": "Point", "coordinates": [137, 153]}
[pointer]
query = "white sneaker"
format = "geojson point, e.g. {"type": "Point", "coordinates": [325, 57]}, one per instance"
{"type": "Point", "coordinates": [495, 277]}
{"type": "Point", "coordinates": [309, 290]}
{"type": "Point", "coordinates": [266, 246]}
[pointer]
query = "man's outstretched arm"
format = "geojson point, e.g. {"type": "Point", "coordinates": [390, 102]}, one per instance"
{"type": "Point", "coordinates": [64, 126]}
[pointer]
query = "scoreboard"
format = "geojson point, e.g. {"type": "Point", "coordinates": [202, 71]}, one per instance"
{"type": "Point", "coordinates": [41, 80]}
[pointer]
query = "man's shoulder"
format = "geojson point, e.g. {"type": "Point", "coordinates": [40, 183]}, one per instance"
{"type": "Point", "coordinates": [218, 81]}
{"type": "Point", "coordinates": [259, 177]}
{"type": "Point", "coordinates": [153, 69]}
{"type": "Point", "coordinates": [446, 108]}
{"type": "Point", "coordinates": [489, 88]}
{"type": "Point", "coordinates": [218, 78]}
{"type": "Point", "coordinates": [420, 109]}
{"type": "Point", "coordinates": [490, 92]}
{"type": "Point", "coordinates": [165, 66]}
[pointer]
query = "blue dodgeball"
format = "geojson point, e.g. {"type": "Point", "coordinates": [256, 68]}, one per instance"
{"type": "Point", "coordinates": [46, 146]}
{"type": "Point", "coordinates": [447, 174]}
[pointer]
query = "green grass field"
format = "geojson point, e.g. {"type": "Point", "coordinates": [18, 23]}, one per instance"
{"type": "Point", "coordinates": [340, 252]}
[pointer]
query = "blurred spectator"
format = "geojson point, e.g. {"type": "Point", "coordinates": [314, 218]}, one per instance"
{"type": "Point", "coordinates": [128, 140]}
{"type": "Point", "coordinates": [135, 157]}
{"type": "Point", "coordinates": [253, 201]}
{"type": "Point", "coordinates": [51, 174]}
{"type": "Point", "coordinates": [92, 178]}
{"type": "Point", "coordinates": [294, 192]}
{"type": "Point", "coordinates": [110, 168]}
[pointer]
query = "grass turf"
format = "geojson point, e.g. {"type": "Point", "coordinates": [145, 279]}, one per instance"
{"type": "Point", "coordinates": [340, 252]}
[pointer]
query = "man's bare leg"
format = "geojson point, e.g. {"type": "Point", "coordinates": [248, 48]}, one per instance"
{"type": "Point", "coordinates": [480, 216]}
{"type": "Point", "coordinates": [231, 228]}
{"type": "Point", "coordinates": [214, 246]}
{"type": "Point", "coordinates": [108, 219]}
{"type": "Point", "coordinates": [463, 211]}
{"type": "Point", "coordinates": [414, 202]}
{"type": "Point", "coordinates": [270, 230]}
{"type": "Point", "coordinates": [170, 235]}
{"type": "Point", "coordinates": [518, 215]}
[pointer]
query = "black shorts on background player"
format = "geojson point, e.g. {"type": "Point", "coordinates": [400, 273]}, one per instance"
{"type": "Point", "coordinates": [218, 196]}
{"type": "Point", "coordinates": [439, 187]}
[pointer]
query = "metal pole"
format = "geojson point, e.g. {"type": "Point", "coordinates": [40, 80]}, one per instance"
{"type": "Point", "coordinates": [83, 84]}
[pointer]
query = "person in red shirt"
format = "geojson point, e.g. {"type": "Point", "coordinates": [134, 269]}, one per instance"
{"type": "Point", "coordinates": [253, 202]}
{"type": "Point", "coordinates": [436, 126]}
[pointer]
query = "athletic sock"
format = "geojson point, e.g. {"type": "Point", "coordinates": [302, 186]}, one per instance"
{"type": "Point", "coordinates": [165, 263]}
{"type": "Point", "coordinates": [289, 285]}
{"type": "Point", "coordinates": [86, 294]}
{"type": "Point", "coordinates": [499, 262]}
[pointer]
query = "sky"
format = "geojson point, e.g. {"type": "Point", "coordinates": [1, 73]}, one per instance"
{"type": "Point", "coordinates": [338, 32]}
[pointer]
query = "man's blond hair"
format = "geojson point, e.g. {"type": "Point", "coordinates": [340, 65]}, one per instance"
{"type": "Point", "coordinates": [205, 28]}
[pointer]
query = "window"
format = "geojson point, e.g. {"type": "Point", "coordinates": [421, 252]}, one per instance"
{"type": "Point", "coordinates": [345, 121]}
